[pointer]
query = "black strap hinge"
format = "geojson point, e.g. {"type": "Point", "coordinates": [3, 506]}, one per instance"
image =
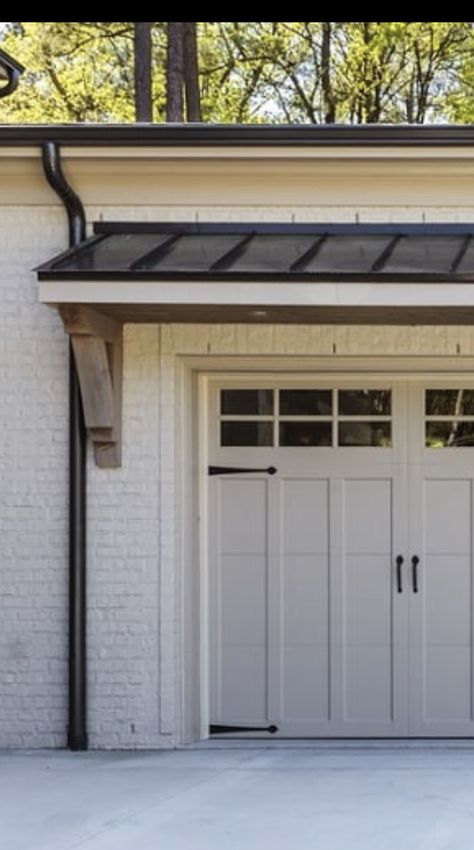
{"type": "Point", "coordinates": [239, 470]}
{"type": "Point", "coordinates": [222, 730]}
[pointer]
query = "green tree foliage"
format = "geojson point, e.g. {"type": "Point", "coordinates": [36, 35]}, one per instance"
{"type": "Point", "coordinates": [355, 72]}
{"type": "Point", "coordinates": [76, 71]}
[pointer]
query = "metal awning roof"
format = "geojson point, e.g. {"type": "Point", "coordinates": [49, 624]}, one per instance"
{"type": "Point", "coordinates": [273, 252]}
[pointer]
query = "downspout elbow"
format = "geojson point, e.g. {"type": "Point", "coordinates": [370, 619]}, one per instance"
{"type": "Point", "coordinates": [74, 208]}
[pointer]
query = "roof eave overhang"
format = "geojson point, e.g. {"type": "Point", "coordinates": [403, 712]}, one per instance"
{"type": "Point", "coordinates": [149, 280]}
{"type": "Point", "coordinates": [277, 303]}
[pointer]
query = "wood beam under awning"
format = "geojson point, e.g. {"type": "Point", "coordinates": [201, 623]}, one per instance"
{"type": "Point", "coordinates": [308, 314]}
{"type": "Point", "coordinates": [97, 343]}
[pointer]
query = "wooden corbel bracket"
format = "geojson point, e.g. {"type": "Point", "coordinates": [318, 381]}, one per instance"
{"type": "Point", "coordinates": [97, 343]}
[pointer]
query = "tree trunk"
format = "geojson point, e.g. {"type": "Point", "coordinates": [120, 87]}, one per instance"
{"type": "Point", "coordinates": [143, 85]}
{"type": "Point", "coordinates": [328, 99]}
{"type": "Point", "coordinates": [191, 72]}
{"type": "Point", "coordinates": [175, 72]}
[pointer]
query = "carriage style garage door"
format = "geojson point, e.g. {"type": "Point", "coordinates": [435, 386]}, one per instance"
{"type": "Point", "coordinates": [341, 557]}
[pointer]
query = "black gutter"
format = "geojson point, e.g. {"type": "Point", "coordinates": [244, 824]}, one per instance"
{"type": "Point", "coordinates": [77, 728]}
{"type": "Point", "coordinates": [247, 135]}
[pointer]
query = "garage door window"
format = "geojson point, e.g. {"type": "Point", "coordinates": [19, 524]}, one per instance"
{"type": "Point", "coordinates": [306, 417]}
{"type": "Point", "coordinates": [449, 418]}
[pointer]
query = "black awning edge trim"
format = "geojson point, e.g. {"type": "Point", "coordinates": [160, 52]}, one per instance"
{"type": "Point", "coordinates": [258, 277]}
{"type": "Point", "coordinates": [286, 227]}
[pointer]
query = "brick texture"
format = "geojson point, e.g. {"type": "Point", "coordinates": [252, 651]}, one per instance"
{"type": "Point", "coordinates": [33, 481]}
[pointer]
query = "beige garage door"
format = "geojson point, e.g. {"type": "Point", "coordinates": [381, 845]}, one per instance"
{"type": "Point", "coordinates": [340, 544]}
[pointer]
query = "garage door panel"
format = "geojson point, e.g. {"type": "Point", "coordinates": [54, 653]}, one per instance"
{"type": "Point", "coordinates": [368, 692]}
{"type": "Point", "coordinates": [367, 627]}
{"type": "Point", "coordinates": [306, 682]}
{"type": "Point", "coordinates": [447, 599]}
{"type": "Point", "coordinates": [243, 593]}
{"type": "Point", "coordinates": [447, 516]}
{"type": "Point", "coordinates": [367, 515]}
{"type": "Point", "coordinates": [306, 599]}
{"type": "Point", "coordinates": [243, 511]}
{"type": "Point", "coordinates": [447, 683]}
{"type": "Point", "coordinates": [305, 516]}
{"type": "Point", "coordinates": [243, 693]}
{"type": "Point", "coordinates": [238, 583]}
{"type": "Point", "coordinates": [367, 600]}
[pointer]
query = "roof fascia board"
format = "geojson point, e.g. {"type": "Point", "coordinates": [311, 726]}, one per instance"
{"type": "Point", "coordinates": [442, 156]}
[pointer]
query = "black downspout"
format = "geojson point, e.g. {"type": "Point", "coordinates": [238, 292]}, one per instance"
{"type": "Point", "coordinates": [77, 728]}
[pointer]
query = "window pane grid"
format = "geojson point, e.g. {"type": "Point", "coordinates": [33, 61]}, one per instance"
{"type": "Point", "coordinates": [276, 401]}
{"type": "Point", "coordinates": [364, 402]}
{"type": "Point", "coordinates": [276, 408]}
{"type": "Point", "coordinates": [449, 418]}
{"type": "Point", "coordinates": [364, 434]}
{"type": "Point", "coordinates": [329, 429]}
{"type": "Point", "coordinates": [449, 402]}
{"type": "Point", "coordinates": [252, 402]}
{"type": "Point", "coordinates": [305, 402]}
{"type": "Point", "coordinates": [308, 418]}
{"type": "Point", "coordinates": [298, 433]}
{"type": "Point", "coordinates": [363, 418]}
{"type": "Point", "coordinates": [254, 433]}
{"type": "Point", "coordinates": [251, 417]}
{"type": "Point", "coordinates": [454, 435]}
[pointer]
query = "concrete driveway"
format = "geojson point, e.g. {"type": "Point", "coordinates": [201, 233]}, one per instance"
{"type": "Point", "coordinates": [293, 796]}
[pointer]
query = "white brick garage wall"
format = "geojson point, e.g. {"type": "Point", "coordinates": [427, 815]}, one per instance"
{"type": "Point", "coordinates": [123, 564]}
{"type": "Point", "coordinates": [123, 548]}
{"type": "Point", "coordinates": [33, 487]}
{"type": "Point", "coordinates": [133, 541]}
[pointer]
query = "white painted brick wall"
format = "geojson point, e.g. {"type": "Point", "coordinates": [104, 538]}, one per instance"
{"type": "Point", "coordinates": [124, 527]}
{"type": "Point", "coordinates": [123, 561]}
{"type": "Point", "coordinates": [132, 540]}
{"type": "Point", "coordinates": [33, 480]}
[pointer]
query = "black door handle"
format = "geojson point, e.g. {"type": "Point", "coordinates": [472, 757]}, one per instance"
{"type": "Point", "coordinates": [399, 562]}
{"type": "Point", "coordinates": [414, 566]}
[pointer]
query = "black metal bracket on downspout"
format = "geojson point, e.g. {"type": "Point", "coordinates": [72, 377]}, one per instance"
{"type": "Point", "coordinates": [77, 729]}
